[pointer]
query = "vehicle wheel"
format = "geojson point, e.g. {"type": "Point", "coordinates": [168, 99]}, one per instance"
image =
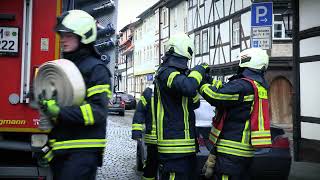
{"type": "Point", "coordinates": [121, 113]}
{"type": "Point", "coordinates": [139, 163]}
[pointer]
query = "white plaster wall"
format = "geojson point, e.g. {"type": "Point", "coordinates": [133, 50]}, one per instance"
{"type": "Point", "coordinates": [235, 54]}
{"type": "Point", "coordinates": [246, 23]}
{"type": "Point", "coordinates": [310, 46]}
{"type": "Point", "coordinates": [309, 14]}
{"type": "Point", "coordinates": [309, 89]}
{"type": "Point", "coordinates": [310, 130]}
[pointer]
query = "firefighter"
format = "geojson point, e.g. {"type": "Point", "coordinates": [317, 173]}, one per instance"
{"type": "Point", "coordinates": [145, 114]}
{"type": "Point", "coordinates": [242, 121]}
{"type": "Point", "coordinates": [176, 98]}
{"type": "Point", "coordinates": [78, 137]}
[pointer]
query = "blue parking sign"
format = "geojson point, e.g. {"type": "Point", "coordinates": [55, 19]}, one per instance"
{"type": "Point", "coordinates": [261, 14]}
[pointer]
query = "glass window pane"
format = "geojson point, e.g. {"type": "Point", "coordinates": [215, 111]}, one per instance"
{"type": "Point", "coordinates": [277, 34]}
{"type": "Point", "coordinates": [235, 33]}
{"type": "Point", "coordinates": [197, 44]}
{"type": "Point", "coordinates": [278, 27]}
{"type": "Point", "coordinates": [205, 42]}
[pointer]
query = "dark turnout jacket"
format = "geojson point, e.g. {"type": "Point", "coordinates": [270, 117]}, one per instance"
{"type": "Point", "coordinates": [83, 127]}
{"type": "Point", "coordinates": [145, 115]}
{"type": "Point", "coordinates": [176, 98]}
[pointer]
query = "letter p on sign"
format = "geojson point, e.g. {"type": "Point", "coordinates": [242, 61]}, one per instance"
{"type": "Point", "coordinates": [261, 14]}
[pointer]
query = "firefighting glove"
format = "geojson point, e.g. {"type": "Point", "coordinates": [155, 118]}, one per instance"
{"type": "Point", "coordinates": [216, 83]}
{"type": "Point", "coordinates": [50, 107]}
{"type": "Point", "coordinates": [208, 167]}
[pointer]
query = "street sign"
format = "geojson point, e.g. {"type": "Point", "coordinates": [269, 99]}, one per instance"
{"type": "Point", "coordinates": [261, 25]}
{"type": "Point", "coordinates": [261, 37]}
{"type": "Point", "coordinates": [261, 14]}
{"type": "Point", "coordinates": [261, 43]}
{"type": "Point", "coordinates": [261, 32]}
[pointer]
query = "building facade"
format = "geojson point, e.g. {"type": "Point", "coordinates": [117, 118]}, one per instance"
{"type": "Point", "coordinates": [124, 72]}
{"type": "Point", "coordinates": [145, 50]}
{"type": "Point", "coordinates": [222, 29]}
{"type": "Point", "coordinates": [306, 38]}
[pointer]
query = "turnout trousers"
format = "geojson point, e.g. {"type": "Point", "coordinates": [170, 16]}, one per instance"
{"type": "Point", "coordinates": [151, 165]}
{"type": "Point", "coordinates": [229, 167]}
{"type": "Point", "coordinates": [179, 169]}
{"type": "Point", "coordinates": [75, 166]}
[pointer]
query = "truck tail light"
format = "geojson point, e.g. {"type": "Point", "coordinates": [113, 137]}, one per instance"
{"type": "Point", "coordinates": [122, 104]}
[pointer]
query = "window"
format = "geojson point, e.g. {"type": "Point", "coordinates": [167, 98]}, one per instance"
{"type": "Point", "coordinates": [205, 41]}
{"type": "Point", "coordinates": [144, 27]}
{"type": "Point", "coordinates": [185, 24]}
{"type": "Point", "coordinates": [212, 36]}
{"type": "Point", "coordinates": [190, 3]}
{"type": "Point", "coordinates": [140, 33]}
{"type": "Point", "coordinates": [278, 28]}
{"type": "Point", "coordinates": [175, 19]}
{"type": "Point", "coordinates": [197, 44]}
{"type": "Point", "coordinates": [135, 35]}
{"type": "Point", "coordinates": [236, 33]}
{"type": "Point", "coordinates": [165, 20]}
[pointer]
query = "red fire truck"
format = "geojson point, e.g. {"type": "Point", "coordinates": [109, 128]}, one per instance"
{"type": "Point", "coordinates": [27, 40]}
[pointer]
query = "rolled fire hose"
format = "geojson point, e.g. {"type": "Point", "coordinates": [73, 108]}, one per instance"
{"type": "Point", "coordinates": [61, 76]}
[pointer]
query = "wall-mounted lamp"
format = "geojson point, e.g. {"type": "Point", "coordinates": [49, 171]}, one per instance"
{"type": "Point", "coordinates": [287, 17]}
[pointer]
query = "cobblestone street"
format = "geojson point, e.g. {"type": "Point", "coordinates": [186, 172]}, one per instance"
{"type": "Point", "coordinates": [120, 154]}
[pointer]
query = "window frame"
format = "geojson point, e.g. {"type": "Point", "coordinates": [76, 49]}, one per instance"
{"type": "Point", "coordinates": [197, 45]}
{"type": "Point", "coordinates": [205, 32]}
{"type": "Point", "coordinates": [212, 40]}
{"type": "Point", "coordinates": [190, 3]}
{"type": "Point", "coordinates": [175, 19]}
{"type": "Point", "coordinates": [165, 17]}
{"type": "Point", "coordinates": [284, 36]}
{"type": "Point", "coordinates": [238, 38]}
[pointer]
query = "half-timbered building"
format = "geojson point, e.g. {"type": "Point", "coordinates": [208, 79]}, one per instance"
{"type": "Point", "coordinates": [306, 38]}
{"type": "Point", "coordinates": [222, 28]}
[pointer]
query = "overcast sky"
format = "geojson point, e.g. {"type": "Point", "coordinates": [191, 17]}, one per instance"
{"type": "Point", "coordinates": [128, 10]}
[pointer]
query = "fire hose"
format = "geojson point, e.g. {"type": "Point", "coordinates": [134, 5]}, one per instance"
{"type": "Point", "coordinates": [59, 79]}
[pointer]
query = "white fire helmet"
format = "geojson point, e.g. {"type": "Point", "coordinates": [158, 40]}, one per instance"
{"type": "Point", "coordinates": [80, 23]}
{"type": "Point", "coordinates": [181, 44]}
{"type": "Point", "coordinates": [254, 58]}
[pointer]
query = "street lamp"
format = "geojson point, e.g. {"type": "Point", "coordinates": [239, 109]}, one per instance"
{"type": "Point", "coordinates": [287, 18]}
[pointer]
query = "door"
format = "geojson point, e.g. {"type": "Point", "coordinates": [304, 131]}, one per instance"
{"type": "Point", "coordinates": [26, 41]}
{"type": "Point", "coordinates": [281, 102]}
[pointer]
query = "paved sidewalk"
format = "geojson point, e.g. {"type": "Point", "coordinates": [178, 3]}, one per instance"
{"type": "Point", "coordinates": [304, 171]}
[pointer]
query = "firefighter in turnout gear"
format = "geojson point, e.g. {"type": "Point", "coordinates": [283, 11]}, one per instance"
{"type": "Point", "coordinates": [145, 114]}
{"type": "Point", "coordinates": [242, 121]}
{"type": "Point", "coordinates": [176, 98]}
{"type": "Point", "coordinates": [77, 140]}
